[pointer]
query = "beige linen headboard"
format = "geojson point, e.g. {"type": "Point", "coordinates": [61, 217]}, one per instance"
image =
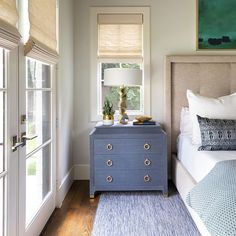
{"type": "Point", "coordinates": [211, 76]}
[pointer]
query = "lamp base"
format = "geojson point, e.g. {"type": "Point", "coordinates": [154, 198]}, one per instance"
{"type": "Point", "coordinates": [123, 119]}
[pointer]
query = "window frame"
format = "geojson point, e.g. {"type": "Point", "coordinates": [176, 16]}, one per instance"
{"type": "Point", "coordinates": [95, 83]}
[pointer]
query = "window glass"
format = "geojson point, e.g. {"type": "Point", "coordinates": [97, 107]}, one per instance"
{"type": "Point", "coordinates": [2, 206]}
{"type": "Point", "coordinates": [38, 173]}
{"type": "Point", "coordinates": [38, 74]}
{"type": "Point", "coordinates": [38, 115]}
{"type": "Point", "coordinates": [38, 104]}
{"type": "Point", "coordinates": [1, 68]}
{"type": "Point", "coordinates": [2, 126]}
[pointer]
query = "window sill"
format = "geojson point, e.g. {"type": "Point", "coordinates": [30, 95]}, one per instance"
{"type": "Point", "coordinates": [132, 116]}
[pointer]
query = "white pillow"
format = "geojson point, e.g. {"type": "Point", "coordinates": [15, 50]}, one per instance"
{"type": "Point", "coordinates": [213, 108]}
{"type": "Point", "coordinates": [186, 126]}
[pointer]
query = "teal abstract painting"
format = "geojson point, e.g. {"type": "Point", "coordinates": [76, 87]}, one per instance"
{"type": "Point", "coordinates": [216, 24]}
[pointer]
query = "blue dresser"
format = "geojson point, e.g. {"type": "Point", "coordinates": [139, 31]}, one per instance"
{"type": "Point", "coordinates": [128, 158]}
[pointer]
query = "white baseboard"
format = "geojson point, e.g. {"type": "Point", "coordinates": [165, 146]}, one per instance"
{"type": "Point", "coordinates": [77, 172]}
{"type": "Point", "coordinates": [81, 172]}
{"type": "Point", "coordinates": [65, 186]}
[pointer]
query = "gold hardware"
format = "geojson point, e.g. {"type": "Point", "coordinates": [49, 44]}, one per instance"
{"type": "Point", "coordinates": [147, 162]}
{"type": "Point", "coordinates": [146, 146]}
{"type": "Point", "coordinates": [109, 163]}
{"type": "Point", "coordinates": [23, 119]}
{"type": "Point", "coordinates": [109, 179]}
{"type": "Point", "coordinates": [109, 147]}
{"type": "Point", "coordinates": [15, 143]}
{"type": "Point", "coordinates": [146, 178]}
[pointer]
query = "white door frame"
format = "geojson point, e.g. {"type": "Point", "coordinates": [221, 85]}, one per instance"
{"type": "Point", "coordinates": [12, 130]}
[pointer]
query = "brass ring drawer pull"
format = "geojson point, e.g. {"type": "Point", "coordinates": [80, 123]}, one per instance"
{"type": "Point", "coordinates": [109, 179]}
{"type": "Point", "coordinates": [147, 162]}
{"type": "Point", "coordinates": [146, 146]}
{"type": "Point", "coordinates": [146, 178]}
{"type": "Point", "coordinates": [109, 147]}
{"type": "Point", "coordinates": [109, 163]}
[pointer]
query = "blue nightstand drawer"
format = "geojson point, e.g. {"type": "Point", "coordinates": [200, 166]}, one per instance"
{"type": "Point", "coordinates": [129, 161]}
{"type": "Point", "coordinates": [119, 146]}
{"type": "Point", "coordinates": [127, 178]}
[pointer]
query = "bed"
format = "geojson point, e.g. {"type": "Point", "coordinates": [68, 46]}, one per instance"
{"type": "Point", "coordinates": [211, 76]}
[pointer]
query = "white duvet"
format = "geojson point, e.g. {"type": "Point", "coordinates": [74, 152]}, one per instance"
{"type": "Point", "coordinates": [199, 163]}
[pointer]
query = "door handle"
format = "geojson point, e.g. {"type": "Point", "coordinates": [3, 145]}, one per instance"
{"type": "Point", "coordinates": [15, 143]}
{"type": "Point", "coordinates": [18, 144]}
{"type": "Point", "coordinates": [25, 138]}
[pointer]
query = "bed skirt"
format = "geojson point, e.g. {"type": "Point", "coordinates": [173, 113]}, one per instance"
{"type": "Point", "coordinates": [184, 182]}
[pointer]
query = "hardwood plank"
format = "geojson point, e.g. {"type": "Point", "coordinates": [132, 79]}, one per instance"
{"type": "Point", "coordinates": [76, 215]}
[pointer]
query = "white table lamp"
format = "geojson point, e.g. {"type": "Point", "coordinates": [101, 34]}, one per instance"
{"type": "Point", "coordinates": [122, 77]}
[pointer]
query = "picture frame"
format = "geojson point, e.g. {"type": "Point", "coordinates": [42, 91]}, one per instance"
{"type": "Point", "coordinates": [216, 25]}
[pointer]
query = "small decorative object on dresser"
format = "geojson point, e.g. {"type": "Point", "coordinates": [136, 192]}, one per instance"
{"type": "Point", "coordinates": [108, 113]}
{"type": "Point", "coordinates": [125, 158]}
{"type": "Point", "coordinates": [144, 120]}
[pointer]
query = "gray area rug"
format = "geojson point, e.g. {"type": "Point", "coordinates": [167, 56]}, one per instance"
{"type": "Point", "coordinates": [142, 214]}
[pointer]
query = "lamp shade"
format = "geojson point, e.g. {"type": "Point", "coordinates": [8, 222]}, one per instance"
{"type": "Point", "coordinates": [122, 76]}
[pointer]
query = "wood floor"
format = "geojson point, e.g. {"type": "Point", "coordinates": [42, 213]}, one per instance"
{"type": "Point", "coordinates": [75, 217]}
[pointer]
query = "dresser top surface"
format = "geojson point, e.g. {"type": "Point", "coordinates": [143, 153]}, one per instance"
{"type": "Point", "coordinates": [100, 125]}
{"type": "Point", "coordinates": [127, 129]}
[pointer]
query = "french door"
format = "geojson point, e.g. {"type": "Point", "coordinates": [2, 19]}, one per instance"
{"type": "Point", "coordinates": [36, 156]}
{"type": "Point", "coordinates": [8, 150]}
{"type": "Point", "coordinates": [27, 144]}
{"type": "Point", "coordinates": [4, 92]}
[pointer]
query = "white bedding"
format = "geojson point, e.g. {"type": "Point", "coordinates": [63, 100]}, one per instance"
{"type": "Point", "coordinates": [199, 163]}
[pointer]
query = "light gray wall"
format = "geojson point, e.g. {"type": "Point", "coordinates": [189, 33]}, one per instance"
{"type": "Point", "coordinates": [65, 83]}
{"type": "Point", "coordinates": [173, 31]}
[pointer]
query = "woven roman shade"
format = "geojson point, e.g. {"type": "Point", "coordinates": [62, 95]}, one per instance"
{"type": "Point", "coordinates": [9, 35]}
{"type": "Point", "coordinates": [42, 42]}
{"type": "Point", "coordinates": [120, 35]}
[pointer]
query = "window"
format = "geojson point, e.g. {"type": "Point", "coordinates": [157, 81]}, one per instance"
{"type": "Point", "coordinates": [121, 40]}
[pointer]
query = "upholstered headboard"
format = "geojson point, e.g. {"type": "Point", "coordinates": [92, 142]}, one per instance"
{"type": "Point", "coordinates": [211, 76]}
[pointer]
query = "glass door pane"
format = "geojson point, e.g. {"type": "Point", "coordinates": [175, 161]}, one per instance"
{"type": "Point", "coordinates": [2, 108]}
{"type": "Point", "coordinates": [37, 180]}
{"type": "Point", "coordinates": [2, 130]}
{"type": "Point", "coordinates": [2, 206]}
{"type": "Point", "coordinates": [38, 130]}
{"type": "Point", "coordinates": [38, 118]}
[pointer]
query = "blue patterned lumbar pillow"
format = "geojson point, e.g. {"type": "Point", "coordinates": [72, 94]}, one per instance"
{"type": "Point", "coordinates": [217, 134]}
